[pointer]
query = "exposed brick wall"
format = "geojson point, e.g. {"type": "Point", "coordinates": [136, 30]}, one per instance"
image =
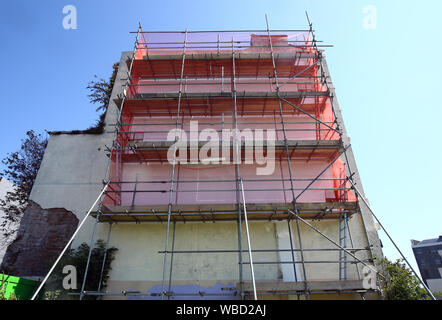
{"type": "Point", "coordinates": [41, 237]}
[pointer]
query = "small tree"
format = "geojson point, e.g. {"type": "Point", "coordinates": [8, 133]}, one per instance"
{"type": "Point", "coordinates": [100, 93]}
{"type": "Point", "coordinates": [402, 284]}
{"type": "Point", "coordinates": [78, 258]}
{"type": "Point", "coordinates": [21, 169]}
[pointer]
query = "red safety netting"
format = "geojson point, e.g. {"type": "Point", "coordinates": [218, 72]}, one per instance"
{"type": "Point", "coordinates": [343, 191]}
{"type": "Point", "coordinates": [141, 184]}
{"type": "Point", "coordinates": [152, 77]}
{"type": "Point", "coordinates": [113, 195]}
{"type": "Point", "coordinates": [326, 129]}
{"type": "Point", "coordinates": [219, 42]}
{"type": "Point", "coordinates": [141, 49]}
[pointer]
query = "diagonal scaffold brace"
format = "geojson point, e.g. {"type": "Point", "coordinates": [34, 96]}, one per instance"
{"type": "Point", "coordinates": [391, 239]}
{"type": "Point", "coordinates": [336, 244]}
{"type": "Point", "coordinates": [70, 241]}
{"type": "Point", "coordinates": [252, 271]}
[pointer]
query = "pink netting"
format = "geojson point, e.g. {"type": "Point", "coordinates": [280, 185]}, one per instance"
{"type": "Point", "coordinates": [150, 113]}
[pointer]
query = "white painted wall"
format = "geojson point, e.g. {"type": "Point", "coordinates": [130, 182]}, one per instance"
{"type": "Point", "coordinates": [74, 167]}
{"type": "Point", "coordinates": [71, 176]}
{"type": "Point", "coordinates": [139, 265]}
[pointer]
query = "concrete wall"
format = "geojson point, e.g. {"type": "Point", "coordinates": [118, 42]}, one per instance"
{"type": "Point", "coordinates": [366, 216]}
{"type": "Point", "coordinates": [139, 265]}
{"type": "Point", "coordinates": [71, 175]}
{"type": "Point", "coordinates": [74, 167]}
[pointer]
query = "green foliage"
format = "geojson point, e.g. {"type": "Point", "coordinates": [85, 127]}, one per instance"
{"type": "Point", "coordinates": [11, 297]}
{"type": "Point", "coordinates": [54, 295]}
{"type": "Point", "coordinates": [78, 258]}
{"type": "Point", "coordinates": [100, 93]}
{"type": "Point", "coordinates": [101, 90]}
{"type": "Point", "coordinates": [21, 169]}
{"type": "Point", "coordinates": [402, 284]}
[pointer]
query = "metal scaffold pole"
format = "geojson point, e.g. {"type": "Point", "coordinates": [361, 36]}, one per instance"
{"type": "Point", "coordinates": [171, 190]}
{"type": "Point", "coordinates": [323, 75]}
{"type": "Point", "coordinates": [352, 247]}
{"type": "Point", "coordinates": [123, 100]}
{"type": "Point", "coordinates": [343, 242]}
{"type": "Point", "coordinates": [391, 239]}
{"type": "Point", "coordinates": [292, 250]}
{"type": "Point", "coordinates": [288, 163]}
{"type": "Point", "coordinates": [171, 259]}
{"type": "Point", "coordinates": [252, 271]}
{"type": "Point", "coordinates": [336, 244]}
{"type": "Point", "coordinates": [100, 282]}
{"type": "Point", "coordinates": [70, 241]}
{"type": "Point", "coordinates": [91, 247]}
{"type": "Point", "coordinates": [237, 160]}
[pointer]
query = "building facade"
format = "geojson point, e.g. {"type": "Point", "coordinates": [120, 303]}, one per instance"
{"type": "Point", "coordinates": [428, 254]}
{"type": "Point", "coordinates": [227, 173]}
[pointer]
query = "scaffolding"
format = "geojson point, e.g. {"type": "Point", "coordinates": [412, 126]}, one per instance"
{"type": "Point", "coordinates": [251, 78]}
{"type": "Point", "coordinates": [231, 80]}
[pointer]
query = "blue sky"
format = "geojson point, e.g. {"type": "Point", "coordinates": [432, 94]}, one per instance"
{"type": "Point", "coordinates": [386, 80]}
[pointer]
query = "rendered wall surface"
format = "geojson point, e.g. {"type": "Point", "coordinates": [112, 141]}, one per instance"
{"type": "Point", "coordinates": [71, 176]}
{"type": "Point", "coordinates": [74, 167]}
{"type": "Point", "coordinates": [138, 264]}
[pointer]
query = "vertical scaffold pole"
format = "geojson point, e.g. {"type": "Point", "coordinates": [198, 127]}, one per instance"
{"type": "Point", "coordinates": [338, 245]}
{"type": "Point", "coordinates": [288, 162]}
{"type": "Point", "coordinates": [343, 243]}
{"type": "Point", "coordinates": [104, 257]}
{"type": "Point", "coordinates": [123, 100]}
{"type": "Point", "coordinates": [292, 250]}
{"type": "Point", "coordinates": [127, 84]}
{"type": "Point", "coordinates": [117, 129]}
{"type": "Point", "coordinates": [352, 246]}
{"type": "Point", "coordinates": [237, 159]}
{"type": "Point", "coordinates": [91, 247]}
{"type": "Point", "coordinates": [171, 259]}
{"type": "Point", "coordinates": [169, 211]}
{"type": "Point", "coordinates": [323, 74]}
